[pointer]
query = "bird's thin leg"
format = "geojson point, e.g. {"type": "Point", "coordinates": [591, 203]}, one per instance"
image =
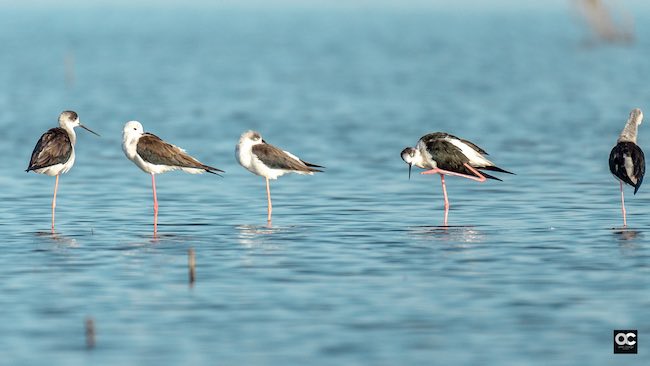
{"type": "Point", "coordinates": [481, 177]}
{"type": "Point", "coordinates": [268, 196]}
{"type": "Point", "coordinates": [56, 187]}
{"type": "Point", "coordinates": [478, 177]}
{"type": "Point", "coordinates": [444, 192]}
{"type": "Point", "coordinates": [446, 215]}
{"type": "Point", "coordinates": [155, 204]}
{"type": "Point", "coordinates": [623, 206]}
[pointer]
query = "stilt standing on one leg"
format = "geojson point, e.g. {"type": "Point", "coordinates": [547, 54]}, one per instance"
{"type": "Point", "coordinates": [445, 154]}
{"type": "Point", "coordinates": [626, 160]}
{"type": "Point", "coordinates": [268, 161]}
{"type": "Point", "coordinates": [155, 156]}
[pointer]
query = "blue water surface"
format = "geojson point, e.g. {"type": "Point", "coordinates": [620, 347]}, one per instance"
{"type": "Point", "coordinates": [356, 268]}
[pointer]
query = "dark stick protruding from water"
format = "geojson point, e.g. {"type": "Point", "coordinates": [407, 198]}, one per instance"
{"type": "Point", "coordinates": [90, 333]}
{"type": "Point", "coordinates": [191, 262]}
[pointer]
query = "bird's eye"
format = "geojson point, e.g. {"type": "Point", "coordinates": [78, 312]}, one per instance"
{"type": "Point", "coordinates": [135, 129]}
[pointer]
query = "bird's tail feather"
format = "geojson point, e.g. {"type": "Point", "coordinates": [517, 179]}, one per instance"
{"type": "Point", "coordinates": [213, 170]}
{"type": "Point", "coordinates": [496, 169]}
{"type": "Point", "coordinates": [312, 165]}
{"type": "Point", "coordinates": [486, 175]}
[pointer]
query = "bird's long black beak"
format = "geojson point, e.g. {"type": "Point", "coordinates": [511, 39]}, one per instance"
{"type": "Point", "coordinates": [410, 165]}
{"type": "Point", "coordinates": [88, 129]}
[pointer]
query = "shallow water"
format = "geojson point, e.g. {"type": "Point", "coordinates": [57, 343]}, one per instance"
{"type": "Point", "coordinates": [356, 268]}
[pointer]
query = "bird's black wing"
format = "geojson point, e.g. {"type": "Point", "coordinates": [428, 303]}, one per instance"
{"type": "Point", "coordinates": [443, 135]}
{"type": "Point", "coordinates": [450, 157]}
{"type": "Point", "coordinates": [447, 155]}
{"type": "Point", "coordinates": [54, 147]}
{"type": "Point", "coordinates": [617, 159]}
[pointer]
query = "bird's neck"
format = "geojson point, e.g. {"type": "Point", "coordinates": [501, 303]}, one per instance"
{"type": "Point", "coordinates": [629, 132]}
{"type": "Point", "coordinates": [130, 145]}
{"type": "Point", "coordinates": [71, 133]}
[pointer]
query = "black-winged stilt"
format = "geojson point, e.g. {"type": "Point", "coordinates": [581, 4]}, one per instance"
{"type": "Point", "coordinates": [155, 156]}
{"type": "Point", "coordinates": [446, 154]}
{"type": "Point", "coordinates": [268, 161]}
{"type": "Point", "coordinates": [54, 154]}
{"type": "Point", "coordinates": [626, 160]}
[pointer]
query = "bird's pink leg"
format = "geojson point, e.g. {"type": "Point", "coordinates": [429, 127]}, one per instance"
{"type": "Point", "coordinates": [444, 192]}
{"type": "Point", "coordinates": [268, 196]}
{"type": "Point", "coordinates": [478, 177]}
{"type": "Point", "coordinates": [481, 177]}
{"type": "Point", "coordinates": [623, 206]}
{"type": "Point", "coordinates": [56, 187]}
{"type": "Point", "coordinates": [155, 204]}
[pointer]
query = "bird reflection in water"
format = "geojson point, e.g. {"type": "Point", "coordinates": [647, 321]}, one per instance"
{"type": "Point", "coordinates": [626, 235]}
{"type": "Point", "coordinates": [255, 235]}
{"type": "Point", "coordinates": [628, 240]}
{"type": "Point", "coordinates": [58, 239]}
{"type": "Point", "coordinates": [463, 234]}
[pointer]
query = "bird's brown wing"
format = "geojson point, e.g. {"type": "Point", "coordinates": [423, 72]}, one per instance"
{"type": "Point", "coordinates": [54, 147]}
{"type": "Point", "coordinates": [275, 158]}
{"type": "Point", "coordinates": [154, 150]}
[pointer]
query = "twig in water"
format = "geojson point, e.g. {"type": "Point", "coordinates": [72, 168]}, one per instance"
{"type": "Point", "coordinates": [90, 333]}
{"type": "Point", "coordinates": [192, 264]}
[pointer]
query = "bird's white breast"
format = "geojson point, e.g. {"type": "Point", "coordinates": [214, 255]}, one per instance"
{"type": "Point", "coordinates": [423, 158]}
{"type": "Point", "coordinates": [243, 154]}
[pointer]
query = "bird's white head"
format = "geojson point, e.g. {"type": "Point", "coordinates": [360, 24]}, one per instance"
{"type": "Point", "coordinates": [68, 120]}
{"type": "Point", "coordinates": [411, 156]}
{"type": "Point", "coordinates": [243, 150]}
{"type": "Point", "coordinates": [130, 136]}
{"type": "Point", "coordinates": [132, 129]}
{"type": "Point", "coordinates": [250, 138]}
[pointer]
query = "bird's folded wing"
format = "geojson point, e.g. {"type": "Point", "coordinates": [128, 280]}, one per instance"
{"type": "Point", "coordinates": [275, 158]}
{"type": "Point", "coordinates": [54, 147]}
{"type": "Point", "coordinates": [154, 150]}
